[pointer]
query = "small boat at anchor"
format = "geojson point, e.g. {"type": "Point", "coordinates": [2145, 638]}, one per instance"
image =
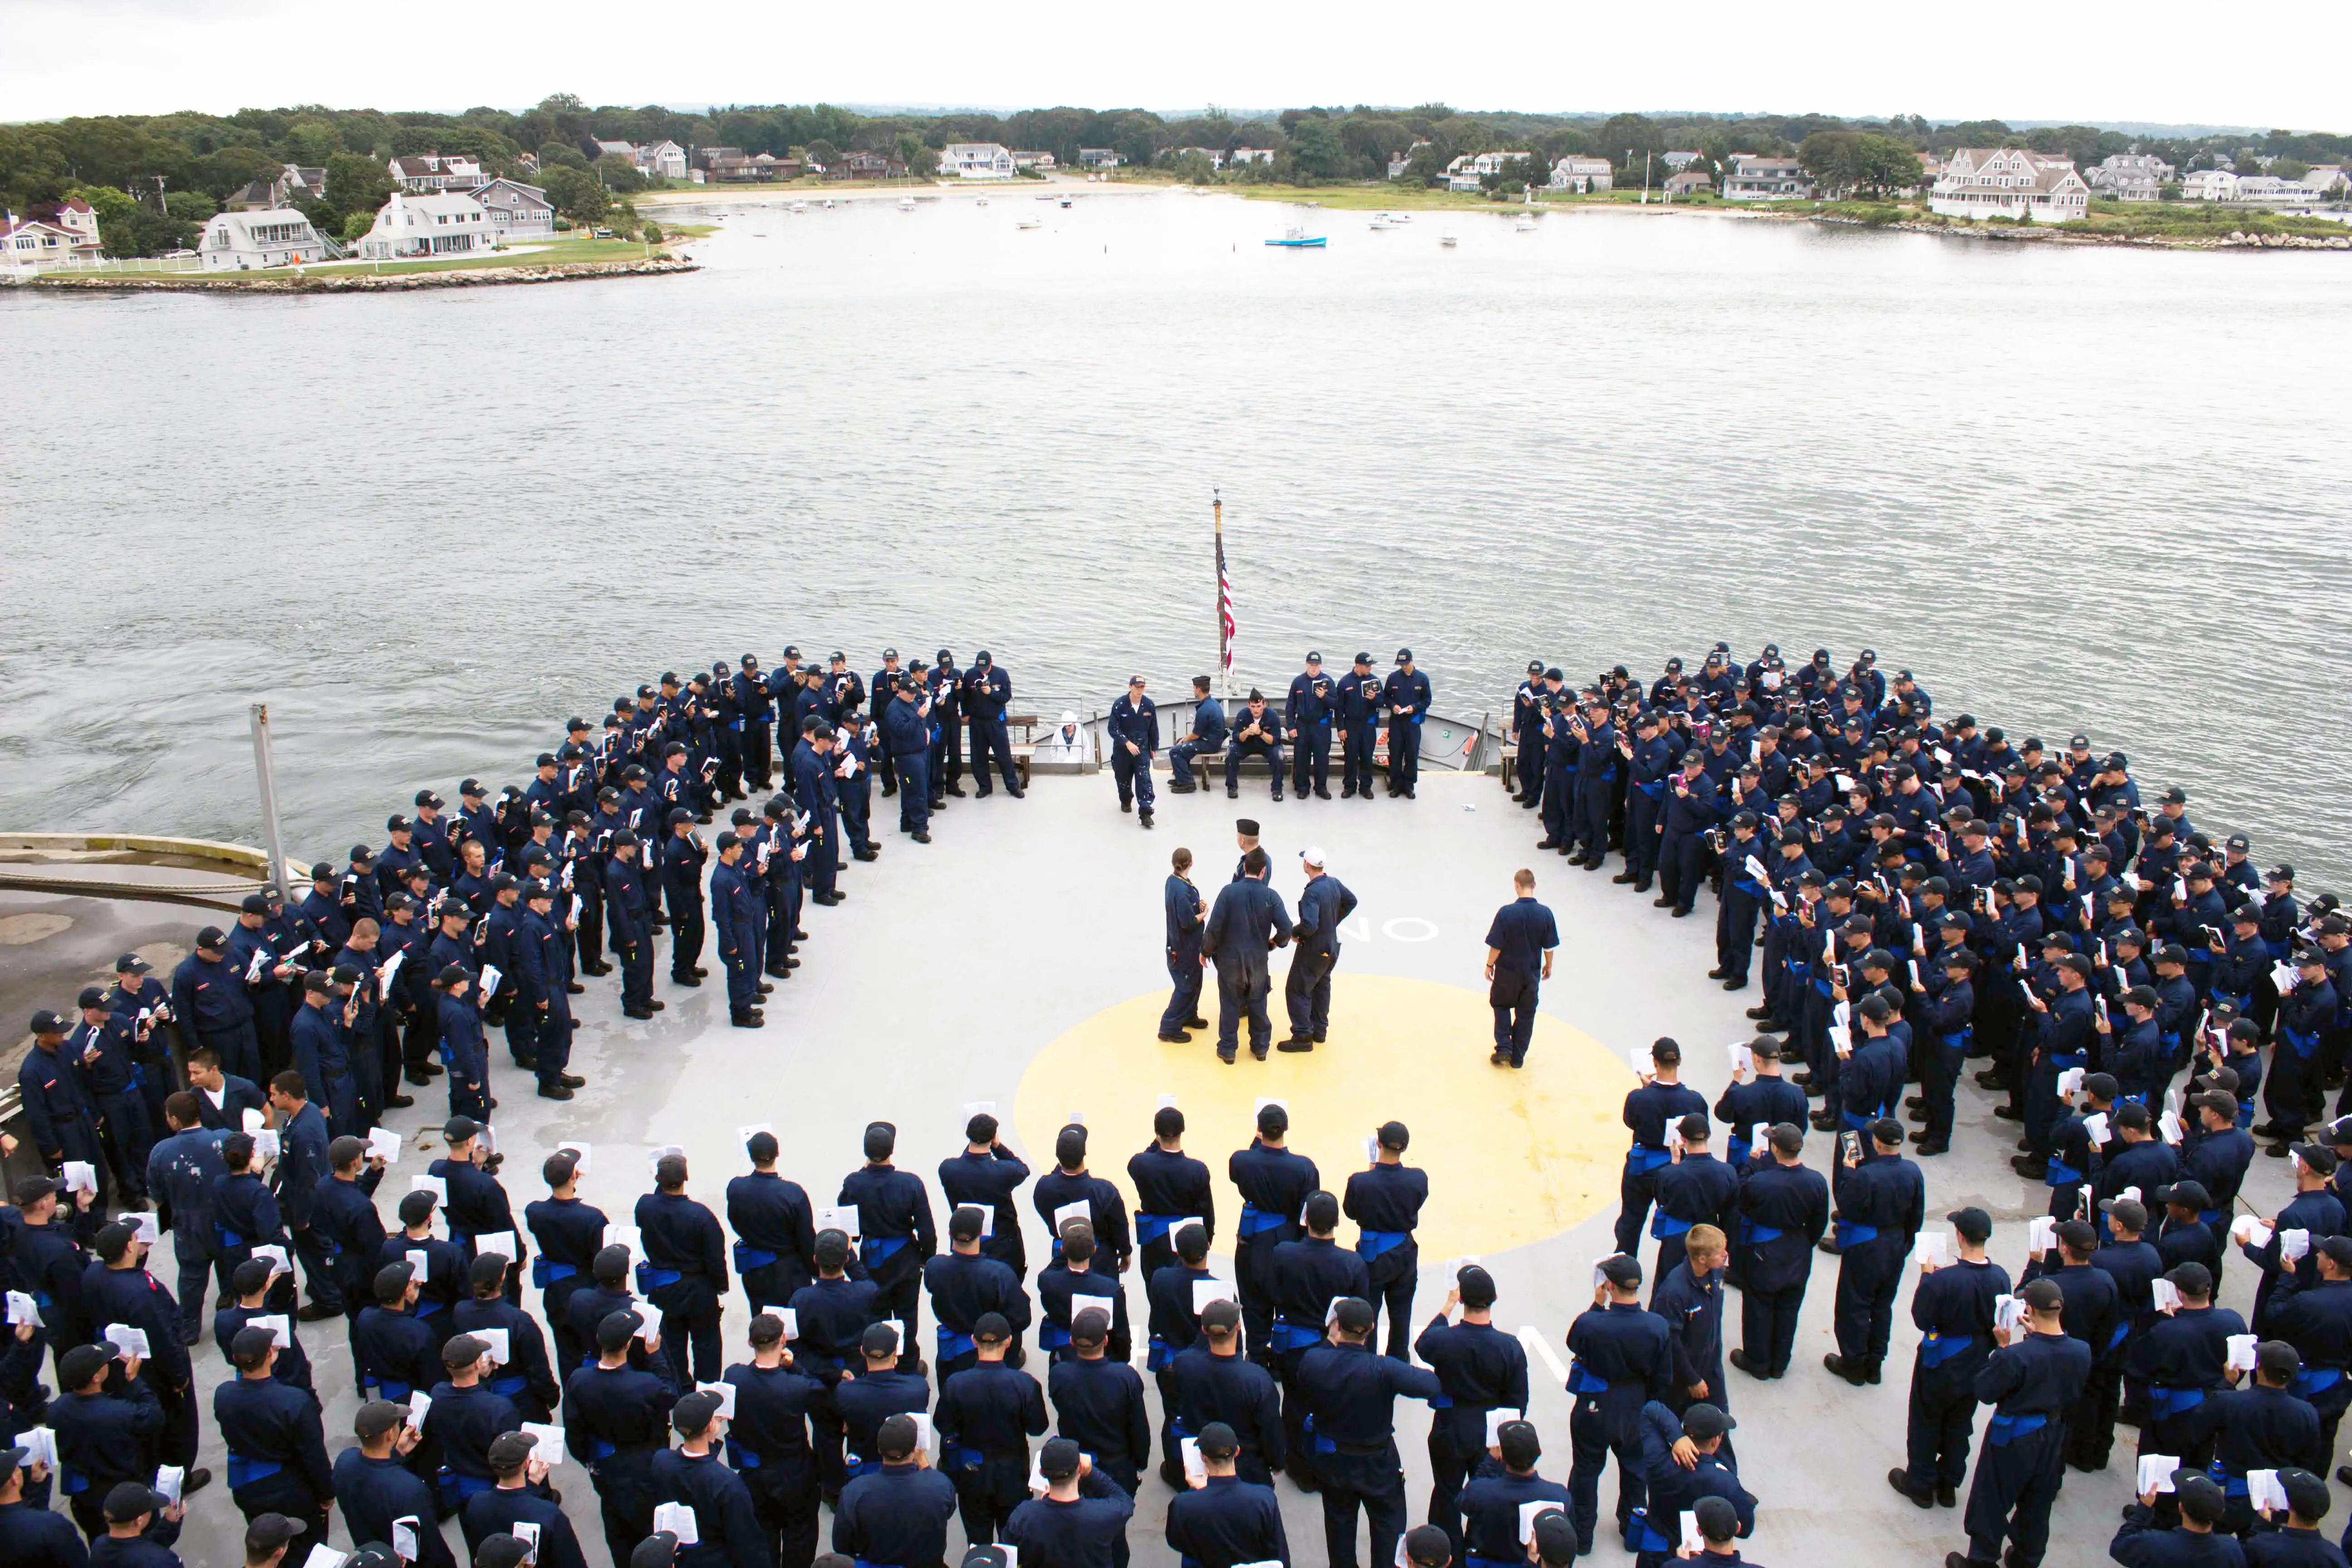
{"type": "Point", "coordinates": [1295, 237]}
{"type": "Point", "coordinates": [1031, 223]}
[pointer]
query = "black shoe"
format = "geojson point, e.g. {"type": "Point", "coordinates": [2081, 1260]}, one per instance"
{"type": "Point", "coordinates": [528, 1064]}
{"type": "Point", "coordinates": [747, 1021]}
{"type": "Point", "coordinates": [573, 988]}
{"type": "Point", "coordinates": [553, 1091]}
{"type": "Point", "coordinates": [1737, 982]}
{"type": "Point", "coordinates": [1178, 1038]}
{"type": "Point", "coordinates": [195, 1481]}
{"type": "Point", "coordinates": [1126, 806]}
{"type": "Point", "coordinates": [1318, 1036]}
{"type": "Point", "coordinates": [317, 1313]}
{"type": "Point", "coordinates": [1740, 1359]}
{"type": "Point", "coordinates": [571, 1080]}
{"type": "Point", "coordinates": [1662, 903]}
{"type": "Point", "coordinates": [418, 1076]}
{"type": "Point", "coordinates": [835, 897]}
{"type": "Point", "coordinates": [675, 980]}
{"type": "Point", "coordinates": [657, 1005]}
{"type": "Point", "coordinates": [1499, 1059]}
{"type": "Point", "coordinates": [1016, 794]}
{"type": "Point", "coordinates": [866, 853]}
{"type": "Point", "coordinates": [1347, 791]}
{"type": "Point", "coordinates": [1295, 1044]}
{"type": "Point", "coordinates": [1196, 1023]}
{"type": "Point", "coordinates": [1933, 1146]}
{"type": "Point", "coordinates": [1946, 1495]}
{"type": "Point", "coordinates": [1916, 1103]}
{"type": "Point", "coordinates": [1548, 843]}
{"type": "Point", "coordinates": [1682, 914]}
{"type": "Point", "coordinates": [640, 1013]}
{"type": "Point", "coordinates": [1901, 1481]}
{"type": "Point", "coordinates": [956, 790]}
{"type": "Point", "coordinates": [1715, 974]}
{"type": "Point", "coordinates": [1841, 1367]}
{"type": "Point", "coordinates": [1824, 1122]}
{"type": "Point", "coordinates": [1622, 877]}
{"type": "Point", "coordinates": [921, 836]}
{"type": "Point", "coordinates": [1761, 1014]}
{"type": "Point", "coordinates": [766, 990]}
{"type": "Point", "coordinates": [398, 1101]}
{"type": "Point", "coordinates": [1233, 792]}
{"type": "Point", "coordinates": [432, 1070]}
{"type": "Point", "coordinates": [1227, 1058]}
{"type": "Point", "coordinates": [1322, 793]}
{"type": "Point", "coordinates": [1277, 795]}
{"type": "Point", "coordinates": [2008, 1113]}
{"type": "Point", "coordinates": [1258, 1052]}
{"type": "Point", "coordinates": [2027, 1166]}
{"type": "Point", "coordinates": [1145, 819]}
{"type": "Point", "coordinates": [597, 969]}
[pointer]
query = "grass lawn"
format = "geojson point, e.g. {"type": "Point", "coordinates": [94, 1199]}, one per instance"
{"type": "Point", "coordinates": [564, 249]}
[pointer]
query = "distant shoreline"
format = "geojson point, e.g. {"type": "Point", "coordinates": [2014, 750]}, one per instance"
{"type": "Point", "coordinates": [363, 282]}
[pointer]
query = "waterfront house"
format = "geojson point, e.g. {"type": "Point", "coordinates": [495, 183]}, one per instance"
{"type": "Point", "coordinates": [446, 223]}
{"type": "Point", "coordinates": [253, 196]}
{"type": "Point", "coordinates": [661, 161]}
{"type": "Point", "coordinates": [1688, 180]}
{"type": "Point", "coordinates": [597, 147]}
{"type": "Point", "coordinates": [2011, 181]}
{"type": "Point", "coordinates": [518, 212]}
{"type": "Point", "coordinates": [1241, 155]}
{"type": "Point", "coordinates": [432, 172]}
{"type": "Point", "coordinates": [1215, 155]}
{"type": "Point", "coordinates": [2328, 180]}
{"type": "Point", "coordinates": [1681, 158]}
{"type": "Point", "coordinates": [1579, 174]}
{"type": "Point", "coordinates": [2129, 176]}
{"type": "Point", "coordinates": [1752, 178]}
{"type": "Point", "coordinates": [244, 242]}
{"type": "Point", "coordinates": [50, 234]}
{"type": "Point", "coordinates": [1403, 161]}
{"type": "Point", "coordinates": [867, 166]}
{"type": "Point", "coordinates": [1098, 158]}
{"type": "Point", "coordinates": [2270, 190]}
{"type": "Point", "coordinates": [976, 161]}
{"type": "Point", "coordinates": [2209, 185]}
{"type": "Point", "coordinates": [1468, 169]}
{"type": "Point", "coordinates": [1039, 160]}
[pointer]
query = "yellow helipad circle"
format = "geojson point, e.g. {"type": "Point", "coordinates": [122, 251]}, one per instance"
{"type": "Point", "coordinates": [1512, 1157]}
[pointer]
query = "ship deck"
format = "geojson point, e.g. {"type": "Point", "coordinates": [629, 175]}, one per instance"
{"type": "Point", "coordinates": [1016, 959]}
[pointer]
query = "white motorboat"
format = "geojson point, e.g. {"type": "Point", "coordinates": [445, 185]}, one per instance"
{"type": "Point", "coordinates": [1527, 223]}
{"type": "Point", "coordinates": [800, 206]}
{"type": "Point", "coordinates": [981, 202]}
{"type": "Point", "coordinates": [1031, 223]}
{"type": "Point", "coordinates": [906, 203]}
{"type": "Point", "coordinates": [1448, 241]}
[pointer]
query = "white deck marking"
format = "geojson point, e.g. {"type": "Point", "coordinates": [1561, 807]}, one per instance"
{"type": "Point", "coordinates": [1533, 1339]}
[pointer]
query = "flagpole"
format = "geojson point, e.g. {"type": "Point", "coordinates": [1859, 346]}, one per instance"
{"type": "Point", "coordinates": [1224, 648]}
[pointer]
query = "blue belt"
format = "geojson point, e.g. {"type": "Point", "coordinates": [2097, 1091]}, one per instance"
{"type": "Point", "coordinates": [464, 1487]}
{"type": "Point", "coordinates": [1958, 1039]}
{"type": "Point", "coordinates": [510, 1387]}
{"type": "Point", "coordinates": [650, 1278]}
{"type": "Point", "coordinates": [544, 1272]}
{"type": "Point", "coordinates": [2304, 1044]}
{"type": "Point", "coordinates": [1291, 1337]}
{"type": "Point", "coordinates": [600, 1450]}
{"type": "Point", "coordinates": [1051, 1336]}
{"type": "Point", "coordinates": [748, 1257]}
{"type": "Point", "coordinates": [877, 1249]}
{"type": "Point", "coordinates": [1852, 1233]}
{"type": "Point", "coordinates": [1156, 1355]}
{"type": "Point", "coordinates": [1739, 1150]}
{"type": "Point", "coordinates": [2058, 1174]}
{"type": "Point", "coordinates": [960, 1458]}
{"type": "Point", "coordinates": [244, 1472]}
{"type": "Point", "coordinates": [2234, 1486]}
{"type": "Point", "coordinates": [856, 1466]}
{"type": "Point", "coordinates": [1655, 790]}
{"type": "Point", "coordinates": [1372, 1243]}
{"type": "Point", "coordinates": [1152, 1227]}
{"type": "Point", "coordinates": [1582, 1381]}
{"type": "Point", "coordinates": [2311, 1380]}
{"type": "Point", "coordinates": [953, 1345]}
{"type": "Point", "coordinates": [1752, 889]}
{"type": "Point", "coordinates": [74, 1483]}
{"type": "Point", "coordinates": [740, 1458]}
{"type": "Point", "coordinates": [1856, 1122]}
{"type": "Point", "coordinates": [225, 1237]}
{"type": "Point", "coordinates": [1647, 1538]}
{"type": "Point", "coordinates": [2063, 1060]}
{"type": "Point", "coordinates": [2209, 1217]}
{"type": "Point", "coordinates": [2006, 1429]}
{"type": "Point", "coordinates": [1936, 1348]}
{"type": "Point", "coordinates": [387, 1388]}
{"type": "Point", "coordinates": [425, 1308]}
{"type": "Point", "coordinates": [1322, 1445]}
{"type": "Point", "coordinates": [2166, 1403]}
{"type": "Point", "coordinates": [1664, 1224]}
{"type": "Point", "coordinates": [1256, 1220]}
{"type": "Point", "coordinates": [1641, 1160]}
{"type": "Point", "coordinates": [1760, 1234]}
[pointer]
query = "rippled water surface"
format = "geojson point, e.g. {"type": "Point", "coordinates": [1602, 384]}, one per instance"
{"type": "Point", "coordinates": [2070, 488]}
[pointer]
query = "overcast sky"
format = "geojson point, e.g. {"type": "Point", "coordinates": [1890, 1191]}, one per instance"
{"type": "Point", "coordinates": [2164, 61]}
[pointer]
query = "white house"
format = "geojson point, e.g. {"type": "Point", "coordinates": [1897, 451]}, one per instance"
{"type": "Point", "coordinates": [1250, 155]}
{"type": "Point", "coordinates": [661, 161]}
{"type": "Point", "coordinates": [2009, 181]}
{"type": "Point", "coordinates": [518, 212]}
{"type": "Point", "coordinates": [1464, 172]}
{"type": "Point", "coordinates": [1680, 158]}
{"type": "Point", "coordinates": [2327, 179]}
{"type": "Point", "coordinates": [446, 224]}
{"type": "Point", "coordinates": [244, 242]}
{"type": "Point", "coordinates": [1025, 160]}
{"type": "Point", "coordinates": [1752, 178]}
{"type": "Point", "coordinates": [976, 161]}
{"type": "Point", "coordinates": [2129, 176]}
{"type": "Point", "coordinates": [2209, 185]}
{"type": "Point", "coordinates": [1215, 155]}
{"type": "Point", "coordinates": [1098, 158]}
{"type": "Point", "coordinates": [1579, 174]}
{"type": "Point", "coordinates": [432, 172]}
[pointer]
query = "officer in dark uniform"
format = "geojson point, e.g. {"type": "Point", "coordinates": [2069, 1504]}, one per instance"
{"type": "Point", "coordinates": [569, 1234]}
{"type": "Point", "coordinates": [947, 725]}
{"type": "Point", "coordinates": [768, 1443]}
{"type": "Point", "coordinates": [1171, 1187]}
{"type": "Point", "coordinates": [277, 1447]}
{"type": "Point", "coordinates": [684, 1274]}
{"type": "Point", "coordinates": [740, 918]}
{"type": "Point", "coordinates": [1224, 1521]}
{"type": "Point", "coordinates": [906, 741]}
{"type": "Point", "coordinates": [1098, 1403]}
{"type": "Point", "coordinates": [989, 1173]}
{"type": "Point", "coordinates": [1526, 734]}
{"type": "Point", "coordinates": [883, 686]}
{"type": "Point", "coordinates": [1247, 923]}
{"type": "Point", "coordinates": [615, 1418]}
{"type": "Point", "coordinates": [1385, 1201]}
{"type": "Point", "coordinates": [894, 1226]}
{"type": "Point", "coordinates": [1134, 736]}
{"type": "Point", "coordinates": [1480, 1368]}
{"type": "Point", "coordinates": [1257, 732]}
{"type": "Point", "coordinates": [629, 914]}
{"type": "Point", "coordinates": [1596, 782]}
{"type": "Point", "coordinates": [896, 1515]}
{"type": "Point", "coordinates": [2031, 1381]}
{"type": "Point", "coordinates": [1520, 943]}
{"type": "Point", "coordinates": [755, 709]}
{"type": "Point", "coordinates": [1694, 1188]}
{"type": "Point", "coordinates": [986, 691]}
{"type": "Point", "coordinates": [1648, 765]}
{"type": "Point", "coordinates": [1323, 904]}
{"type": "Point", "coordinates": [1307, 714]}
{"type": "Point", "coordinates": [1358, 694]}
{"type": "Point", "coordinates": [812, 786]}
{"type": "Point", "coordinates": [1882, 1201]}
{"type": "Point", "coordinates": [1307, 1276]}
{"type": "Point", "coordinates": [986, 1415]}
{"type": "Point", "coordinates": [1351, 1395]}
{"type": "Point", "coordinates": [1784, 1210]}
{"type": "Point", "coordinates": [1404, 697]}
{"type": "Point", "coordinates": [1953, 1308]}
{"type": "Point", "coordinates": [52, 1089]}
{"type": "Point", "coordinates": [1186, 918]}
{"type": "Point", "coordinates": [1660, 1098]}
{"type": "Point", "coordinates": [683, 858]}
{"type": "Point", "coordinates": [965, 1286]}
{"type": "Point", "coordinates": [1691, 806]}
{"type": "Point", "coordinates": [1620, 1358]}
{"type": "Point", "coordinates": [1275, 1182]}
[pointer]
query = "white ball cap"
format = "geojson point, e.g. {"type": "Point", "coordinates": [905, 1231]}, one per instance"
{"type": "Point", "coordinates": [1312, 854]}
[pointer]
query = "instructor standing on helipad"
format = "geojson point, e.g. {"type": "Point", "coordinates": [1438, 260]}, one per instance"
{"type": "Point", "coordinates": [1247, 923]}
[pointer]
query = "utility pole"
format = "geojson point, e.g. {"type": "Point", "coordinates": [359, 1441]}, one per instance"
{"type": "Point", "coordinates": [265, 779]}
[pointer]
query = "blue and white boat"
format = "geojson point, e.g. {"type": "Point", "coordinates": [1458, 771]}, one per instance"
{"type": "Point", "coordinates": [1295, 237]}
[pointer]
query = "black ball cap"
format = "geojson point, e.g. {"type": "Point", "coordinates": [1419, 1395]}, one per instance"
{"type": "Point", "coordinates": [128, 1499]}
{"type": "Point", "coordinates": [1059, 1460]}
{"type": "Point", "coordinates": [1704, 1422]}
{"type": "Point", "coordinates": [658, 1550]}
{"type": "Point", "coordinates": [1623, 1270]}
{"type": "Point", "coordinates": [1974, 1225]}
{"type": "Point", "coordinates": [268, 1531]}
{"type": "Point", "coordinates": [501, 1550]}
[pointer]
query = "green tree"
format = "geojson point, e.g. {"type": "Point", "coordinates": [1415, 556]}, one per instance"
{"type": "Point", "coordinates": [552, 153]}
{"type": "Point", "coordinates": [651, 234]}
{"type": "Point", "coordinates": [190, 207]}
{"type": "Point", "coordinates": [357, 183]}
{"type": "Point", "coordinates": [1315, 148]}
{"type": "Point", "coordinates": [118, 213]}
{"type": "Point", "coordinates": [576, 194]}
{"type": "Point", "coordinates": [311, 142]}
{"type": "Point", "coordinates": [620, 174]}
{"type": "Point", "coordinates": [823, 153]}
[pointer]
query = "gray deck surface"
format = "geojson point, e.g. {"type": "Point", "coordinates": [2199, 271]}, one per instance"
{"type": "Point", "coordinates": [951, 966]}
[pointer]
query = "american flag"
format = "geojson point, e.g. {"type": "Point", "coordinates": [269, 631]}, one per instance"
{"type": "Point", "coordinates": [1224, 609]}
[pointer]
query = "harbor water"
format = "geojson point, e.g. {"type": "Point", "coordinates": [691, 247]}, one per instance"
{"type": "Point", "coordinates": [2070, 488]}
